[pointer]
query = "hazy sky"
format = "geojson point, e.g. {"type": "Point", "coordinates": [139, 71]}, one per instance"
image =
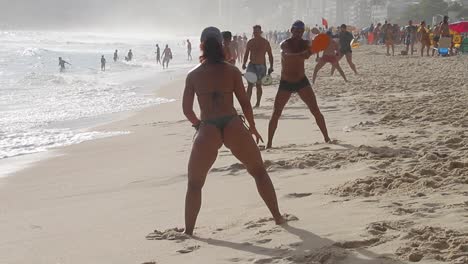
{"type": "Point", "coordinates": [97, 14]}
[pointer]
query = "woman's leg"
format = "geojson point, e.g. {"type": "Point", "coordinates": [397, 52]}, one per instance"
{"type": "Point", "coordinates": [319, 66]}
{"type": "Point", "coordinates": [204, 153]}
{"type": "Point", "coordinates": [338, 67]}
{"type": "Point", "coordinates": [239, 140]}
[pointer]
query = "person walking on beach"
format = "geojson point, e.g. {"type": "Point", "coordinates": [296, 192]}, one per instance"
{"type": "Point", "coordinates": [158, 54]}
{"type": "Point", "coordinates": [329, 56]}
{"type": "Point", "coordinates": [425, 38]}
{"type": "Point", "coordinates": [256, 50]}
{"type": "Point", "coordinates": [294, 52]}
{"type": "Point", "coordinates": [62, 64]}
{"type": "Point", "coordinates": [215, 83]}
{"type": "Point", "coordinates": [410, 38]}
{"type": "Point", "coordinates": [189, 50]}
{"type": "Point", "coordinates": [345, 38]}
{"type": "Point", "coordinates": [116, 55]}
{"type": "Point", "coordinates": [167, 57]}
{"type": "Point", "coordinates": [103, 63]}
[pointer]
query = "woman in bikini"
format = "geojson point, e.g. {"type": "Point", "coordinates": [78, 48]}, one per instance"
{"type": "Point", "coordinates": [215, 83]}
{"type": "Point", "coordinates": [330, 55]}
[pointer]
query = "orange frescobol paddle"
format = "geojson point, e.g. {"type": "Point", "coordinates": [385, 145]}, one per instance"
{"type": "Point", "coordinates": [320, 43]}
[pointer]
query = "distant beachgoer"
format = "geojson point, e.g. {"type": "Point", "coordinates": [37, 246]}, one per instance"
{"type": "Point", "coordinates": [436, 37]}
{"type": "Point", "coordinates": [229, 53]}
{"type": "Point", "coordinates": [189, 50]}
{"type": "Point", "coordinates": [425, 38]}
{"type": "Point", "coordinates": [410, 36]}
{"type": "Point", "coordinates": [166, 57]}
{"type": "Point", "coordinates": [345, 38]}
{"type": "Point", "coordinates": [294, 52]}
{"type": "Point", "coordinates": [215, 83]}
{"type": "Point", "coordinates": [103, 63]}
{"type": "Point", "coordinates": [444, 27]}
{"type": "Point", "coordinates": [116, 55]}
{"type": "Point", "coordinates": [158, 54]}
{"type": "Point", "coordinates": [445, 32]}
{"type": "Point", "coordinates": [390, 40]}
{"type": "Point", "coordinates": [129, 56]}
{"type": "Point", "coordinates": [329, 56]}
{"type": "Point", "coordinates": [62, 64]}
{"type": "Point", "coordinates": [256, 50]}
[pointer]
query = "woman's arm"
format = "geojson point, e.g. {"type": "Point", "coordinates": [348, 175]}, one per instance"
{"type": "Point", "coordinates": [187, 102]}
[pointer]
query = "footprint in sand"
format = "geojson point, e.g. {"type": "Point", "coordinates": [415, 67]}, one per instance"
{"type": "Point", "coordinates": [174, 234]}
{"type": "Point", "coordinates": [298, 195]}
{"type": "Point", "coordinates": [264, 241]}
{"type": "Point", "coordinates": [151, 262]}
{"type": "Point", "coordinates": [263, 221]}
{"type": "Point", "coordinates": [188, 249]}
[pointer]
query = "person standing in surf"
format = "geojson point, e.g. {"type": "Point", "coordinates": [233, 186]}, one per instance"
{"type": "Point", "coordinates": [215, 83]}
{"type": "Point", "coordinates": [103, 63]}
{"type": "Point", "coordinates": [166, 57]}
{"type": "Point", "coordinates": [294, 52]}
{"type": "Point", "coordinates": [256, 50]}
{"type": "Point", "coordinates": [62, 64]}
{"type": "Point", "coordinates": [189, 50]}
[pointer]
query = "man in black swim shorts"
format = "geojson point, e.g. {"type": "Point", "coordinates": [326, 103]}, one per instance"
{"type": "Point", "coordinates": [345, 38]}
{"type": "Point", "coordinates": [294, 52]}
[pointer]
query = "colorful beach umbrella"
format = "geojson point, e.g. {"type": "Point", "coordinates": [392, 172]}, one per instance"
{"type": "Point", "coordinates": [460, 27]}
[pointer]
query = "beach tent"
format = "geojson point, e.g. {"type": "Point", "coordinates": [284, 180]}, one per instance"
{"type": "Point", "coordinates": [460, 27]}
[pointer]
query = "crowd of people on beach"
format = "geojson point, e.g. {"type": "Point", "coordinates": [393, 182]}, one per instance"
{"type": "Point", "coordinates": [427, 36]}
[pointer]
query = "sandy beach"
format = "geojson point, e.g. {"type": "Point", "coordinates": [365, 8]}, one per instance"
{"type": "Point", "coordinates": [392, 188]}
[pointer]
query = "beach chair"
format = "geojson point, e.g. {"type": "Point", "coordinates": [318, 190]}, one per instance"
{"type": "Point", "coordinates": [444, 46]}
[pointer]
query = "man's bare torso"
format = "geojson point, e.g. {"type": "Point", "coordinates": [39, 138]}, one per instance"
{"type": "Point", "coordinates": [258, 49]}
{"type": "Point", "coordinates": [293, 69]}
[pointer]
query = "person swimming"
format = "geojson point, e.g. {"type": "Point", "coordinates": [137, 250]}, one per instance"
{"type": "Point", "coordinates": [215, 83]}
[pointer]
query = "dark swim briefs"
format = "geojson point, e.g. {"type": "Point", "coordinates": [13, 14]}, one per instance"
{"type": "Point", "coordinates": [294, 87]}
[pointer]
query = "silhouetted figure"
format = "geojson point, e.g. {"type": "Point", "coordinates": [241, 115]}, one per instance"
{"type": "Point", "coordinates": [158, 54]}
{"type": "Point", "coordinates": [116, 55]}
{"type": "Point", "coordinates": [103, 63]}
{"type": "Point", "coordinates": [129, 56]}
{"type": "Point", "coordinates": [167, 56]}
{"type": "Point", "coordinates": [62, 64]}
{"type": "Point", "coordinates": [189, 50]}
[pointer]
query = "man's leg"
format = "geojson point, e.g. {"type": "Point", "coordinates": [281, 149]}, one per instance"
{"type": "Point", "coordinates": [259, 94]}
{"type": "Point", "coordinates": [349, 59]}
{"type": "Point", "coordinates": [282, 97]}
{"type": "Point", "coordinates": [307, 95]}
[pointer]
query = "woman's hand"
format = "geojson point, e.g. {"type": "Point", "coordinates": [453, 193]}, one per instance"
{"type": "Point", "coordinates": [257, 136]}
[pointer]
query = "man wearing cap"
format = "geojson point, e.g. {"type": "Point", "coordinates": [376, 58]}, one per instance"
{"type": "Point", "coordinates": [294, 52]}
{"type": "Point", "coordinates": [257, 48]}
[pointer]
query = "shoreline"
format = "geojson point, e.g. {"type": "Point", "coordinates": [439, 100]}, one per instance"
{"type": "Point", "coordinates": [150, 84]}
{"type": "Point", "coordinates": [105, 196]}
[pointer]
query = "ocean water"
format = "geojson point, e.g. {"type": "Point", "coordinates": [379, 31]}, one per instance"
{"type": "Point", "coordinates": [42, 108]}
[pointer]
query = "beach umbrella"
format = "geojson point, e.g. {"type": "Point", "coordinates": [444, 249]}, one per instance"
{"type": "Point", "coordinates": [460, 27]}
